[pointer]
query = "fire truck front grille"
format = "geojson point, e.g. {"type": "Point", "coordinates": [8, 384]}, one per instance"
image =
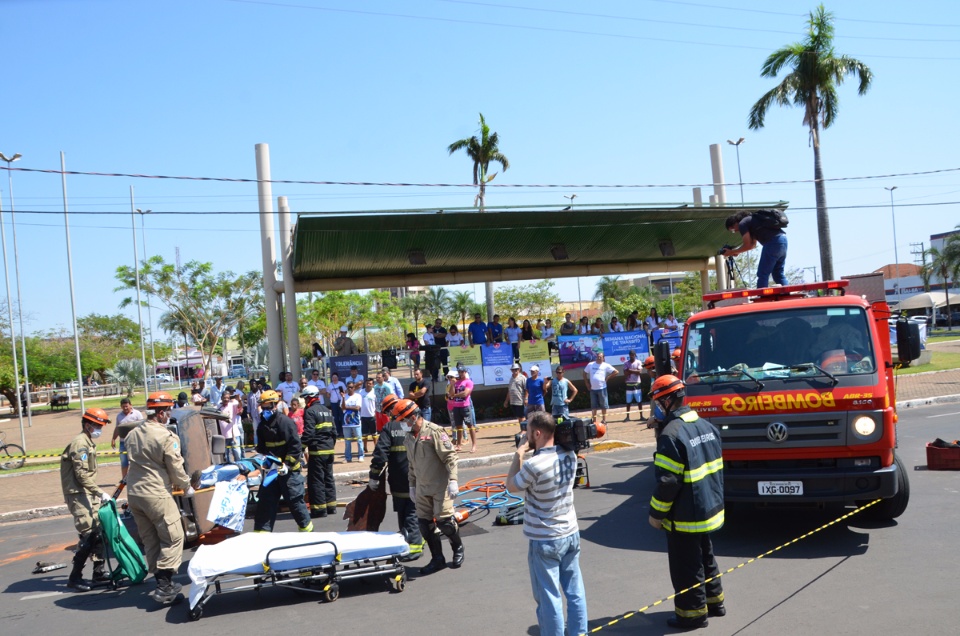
{"type": "Point", "coordinates": [768, 431]}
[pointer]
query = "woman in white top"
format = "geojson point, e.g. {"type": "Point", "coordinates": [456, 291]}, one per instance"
{"type": "Point", "coordinates": [583, 328]}
{"type": "Point", "coordinates": [615, 326]}
{"type": "Point", "coordinates": [454, 337]}
{"type": "Point", "coordinates": [671, 323]}
{"type": "Point", "coordinates": [652, 320]}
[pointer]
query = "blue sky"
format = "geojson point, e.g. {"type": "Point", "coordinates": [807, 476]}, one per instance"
{"type": "Point", "coordinates": [609, 92]}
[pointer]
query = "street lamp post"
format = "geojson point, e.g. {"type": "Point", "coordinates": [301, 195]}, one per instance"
{"type": "Point", "coordinates": [143, 238]}
{"type": "Point", "coordinates": [136, 262]}
{"type": "Point", "coordinates": [814, 268]}
{"type": "Point", "coordinates": [16, 268]}
{"type": "Point", "coordinates": [13, 339]}
{"type": "Point", "coordinates": [896, 257]}
{"type": "Point", "coordinates": [736, 144]}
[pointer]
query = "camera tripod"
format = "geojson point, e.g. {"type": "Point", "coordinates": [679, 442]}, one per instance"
{"type": "Point", "coordinates": [734, 273]}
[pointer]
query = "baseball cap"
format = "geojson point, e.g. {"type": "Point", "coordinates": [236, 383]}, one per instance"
{"type": "Point", "coordinates": [182, 396]}
{"type": "Point", "coordinates": [535, 368]}
{"type": "Point", "coordinates": [461, 367]}
{"type": "Point", "coordinates": [514, 366]}
{"type": "Point", "coordinates": [451, 374]}
{"type": "Point", "coordinates": [344, 328]}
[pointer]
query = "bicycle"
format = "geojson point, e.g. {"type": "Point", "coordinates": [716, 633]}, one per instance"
{"type": "Point", "coordinates": [11, 455]}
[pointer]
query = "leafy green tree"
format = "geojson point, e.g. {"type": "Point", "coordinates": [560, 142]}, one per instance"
{"type": "Point", "coordinates": [537, 300]}
{"type": "Point", "coordinates": [461, 304]}
{"type": "Point", "coordinates": [207, 306]}
{"type": "Point", "coordinates": [105, 339]}
{"type": "Point", "coordinates": [438, 302]}
{"type": "Point", "coordinates": [816, 71]}
{"type": "Point", "coordinates": [635, 298]}
{"type": "Point", "coordinates": [943, 264]}
{"type": "Point", "coordinates": [415, 306]}
{"type": "Point", "coordinates": [482, 151]}
{"type": "Point", "coordinates": [609, 288]}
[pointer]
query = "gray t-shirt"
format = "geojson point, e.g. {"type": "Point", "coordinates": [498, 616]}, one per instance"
{"type": "Point", "coordinates": [516, 388]}
{"type": "Point", "coordinates": [547, 481]}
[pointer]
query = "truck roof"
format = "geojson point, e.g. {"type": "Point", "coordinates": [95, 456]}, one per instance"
{"type": "Point", "coordinates": [777, 299]}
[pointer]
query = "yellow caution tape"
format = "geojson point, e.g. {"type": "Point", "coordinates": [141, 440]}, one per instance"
{"type": "Point", "coordinates": [736, 567]}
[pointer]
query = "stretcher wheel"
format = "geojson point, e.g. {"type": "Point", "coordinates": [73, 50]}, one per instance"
{"type": "Point", "coordinates": [398, 582]}
{"type": "Point", "coordinates": [332, 593]}
{"type": "Point", "coordinates": [195, 613]}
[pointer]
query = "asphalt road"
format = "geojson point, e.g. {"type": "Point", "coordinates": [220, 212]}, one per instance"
{"type": "Point", "coordinates": [856, 577]}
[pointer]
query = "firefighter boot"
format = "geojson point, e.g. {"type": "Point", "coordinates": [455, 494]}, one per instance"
{"type": "Point", "coordinates": [450, 529]}
{"type": "Point", "coordinates": [716, 609]}
{"type": "Point", "coordinates": [429, 531]}
{"type": "Point", "coordinates": [76, 580]}
{"type": "Point", "coordinates": [685, 624]}
{"type": "Point", "coordinates": [167, 591]}
{"type": "Point", "coordinates": [99, 573]}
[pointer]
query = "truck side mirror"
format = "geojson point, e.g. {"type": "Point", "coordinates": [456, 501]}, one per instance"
{"type": "Point", "coordinates": [908, 340]}
{"type": "Point", "coordinates": [661, 357]}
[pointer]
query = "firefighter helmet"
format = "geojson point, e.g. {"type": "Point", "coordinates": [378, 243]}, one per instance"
{"type": "Point", "coordinates": [649, 363]}
{"type": "Point", "coordinates": [269, 396]}
{"type": "Point", "coordinates": [160, 399]}
{"type": "Point", "coordinates": [310, 392]}
{"type": "Point", "coordinates": [405, 409]}
{"type": "Point", "coordinates": [389, 401]}
{"type": "Point", "coordinates": [665, 385]}
{"type": "Point", "coordinates": [677, 354]}
{"type": "Point", "coordinates": [95, 416]}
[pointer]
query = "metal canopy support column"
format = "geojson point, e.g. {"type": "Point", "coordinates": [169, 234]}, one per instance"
{"type": "Point", "coordinates": [705, 283]}
{"type": "Point", "coordinates": [268, 251]}
{"type": "Point", "coordinates": [719, 197]}
{"type": "Point", "coordinates": [289, 295]}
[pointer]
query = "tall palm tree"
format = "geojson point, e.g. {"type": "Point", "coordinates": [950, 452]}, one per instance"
{"type": "Point", "coordinates": [482, 151]}
{"type": "Point", "coordinates": [812, 84]}
{"type": "Point", "coordinates": [608, 288]}
{"type": "Point", "coordinates": [414, 305]}
{"type": "Point", "coordinates": [460, 304]}
{"type": "Point", "coordinates": [945, 265]}
{"type": "Point", "coordinates": [438, 301]}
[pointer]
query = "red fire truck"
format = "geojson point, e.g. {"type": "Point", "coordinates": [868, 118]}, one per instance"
{"type": "Point", "coordinates": [799, 381]}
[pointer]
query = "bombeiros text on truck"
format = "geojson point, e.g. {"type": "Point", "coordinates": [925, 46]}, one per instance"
{"type": "Point", "coordinates": [799, 381]}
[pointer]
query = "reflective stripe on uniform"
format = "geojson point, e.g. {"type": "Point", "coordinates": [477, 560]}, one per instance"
{"type": "Point", "coordinates": [275, 444]}
{"type": "Point", "coordinates": [660, 506]}
{"type": "Point", "coordinates": [697, 613]}
{"type": "Point", "coordinates": [398, 449]}
{"type": "Point", "coordinates": [400, 495]}
{"type": "Point", "coordinates": [690, 416]}
{"type": "Point", "coordinates": [321, 452]}
{"type": "Point", "coordinates": [666, 463]}
{"type": "Point", "coordinates": [711, 524]}
{"type": "Point", "coordinates": [323, 425]}
{"type": "Point", "coordinates": [713, 600]}
{"type": "Point", "coordinates": [709, 468]}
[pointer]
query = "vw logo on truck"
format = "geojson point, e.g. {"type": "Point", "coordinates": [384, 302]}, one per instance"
{"type": "Point", "coordinates": [777, 432]}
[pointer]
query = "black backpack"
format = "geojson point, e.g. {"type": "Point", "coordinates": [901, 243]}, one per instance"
{"type": "Point", "coordinates": [771, 219]}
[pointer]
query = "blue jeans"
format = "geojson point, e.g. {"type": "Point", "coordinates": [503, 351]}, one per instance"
{"type": "Point", "coordinates": [351, 433]}
{"type": "Point", "coordinates": [337, 417]}
{"type": "Point", "coordinates": [427, 413]}
{"type": "Point", "coordinates": [598, 399]}
{"type": "Point", "coordinates": [555, 566]}
{"type": "Point", "coordinates": [773, 258]}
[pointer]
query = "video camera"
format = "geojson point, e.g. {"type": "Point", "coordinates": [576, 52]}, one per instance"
{"type": "Point", "coordinates": [724, 249]}
{"type": "Point", "coordinates": [572, 434]}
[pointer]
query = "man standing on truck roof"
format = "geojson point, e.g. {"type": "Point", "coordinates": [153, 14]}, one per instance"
{"type": "Point", "coordinates": [761, 226]}
{"type": "Point", "coordinates": [688, 504]}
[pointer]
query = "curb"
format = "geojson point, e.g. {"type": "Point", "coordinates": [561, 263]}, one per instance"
{"type": "Point", "coordinates": [34, 513]}
{"type": "Point", "coordinates": [943, 399]}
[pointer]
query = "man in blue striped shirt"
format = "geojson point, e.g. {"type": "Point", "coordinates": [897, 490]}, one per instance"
{"type": "Point", "coordinates": [550, 523]}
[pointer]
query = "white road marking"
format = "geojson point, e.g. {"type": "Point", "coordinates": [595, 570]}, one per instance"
{"type": "Point", "coordinates": [41, 595]}
{"type": "Point", "coordinates": [930, 417]}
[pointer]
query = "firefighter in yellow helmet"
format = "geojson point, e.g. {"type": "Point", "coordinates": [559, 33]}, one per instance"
{"type": "Point", "coordinates": [277, 435]}
{"type": "Point", "coordinates": [156, 468]}
{"type": "Point", "coordinates": [688, 503]}
{"type": "Point", "coordinates": [78, 479]}
{"type": "Point", "coordinates": [432, 462]}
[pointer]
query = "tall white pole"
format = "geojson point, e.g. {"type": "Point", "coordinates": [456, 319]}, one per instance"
{"type": "Point", "coordinates": [143, 236]}
{"type": "Point", "coordinates": [73, 301]}
{"type": "Point", "coordinates": [13, 339]}
{"type": "Point", "coordinates": [719, 197]}
{"type": "Point", "coordinates": [136, 263]}
{"type": "Point", "coordinates": [268, 252]}
{"type": "Point", "coordinates": [896, 257]}
{"type": "Point", "coordinates": [289, 295]}
{"type": "Point", "coordinates": [16, 269]}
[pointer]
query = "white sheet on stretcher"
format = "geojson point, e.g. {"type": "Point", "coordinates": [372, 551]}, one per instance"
{"type": "Point", "coordinates": [246, 554]}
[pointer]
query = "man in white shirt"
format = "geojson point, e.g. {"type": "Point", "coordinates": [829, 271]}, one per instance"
{"type": "Point", "coordinates": [317, 382]}
{"type": "Point", "coordinates": [288, 388]}
{"type": "Point", "coordinates": [597, 374]}
{"type": "Point", "coordinates": [355, 377]}
{"type": "Point", "coordinates": [213, 393]}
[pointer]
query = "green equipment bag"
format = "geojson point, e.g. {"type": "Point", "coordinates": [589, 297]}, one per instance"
{"type": "Point", "coordinates": [121, 546]}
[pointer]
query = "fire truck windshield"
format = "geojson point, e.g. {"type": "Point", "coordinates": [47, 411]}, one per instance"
{"type": "Point", "coordinates": [779, 344]}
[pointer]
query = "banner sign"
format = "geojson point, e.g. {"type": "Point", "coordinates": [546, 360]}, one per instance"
{"type": "Point", "coordinates": [341, 365]}
{"type": "Point", "coordinates": [674, 337]}
{"type": "Point", "coordinates": [535, 352]}
{"type": "Point", "coordinates": [497, 359]}
{"type": "Point", "coordinates": [617, 346]}
{"type": "Point", "coordinates": [470, 357]}
{"type": "Point", "coordinates": [577, 351]}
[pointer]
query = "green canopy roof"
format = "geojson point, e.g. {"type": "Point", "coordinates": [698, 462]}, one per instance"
{"type": "Point", "coordinates": [388, 248]}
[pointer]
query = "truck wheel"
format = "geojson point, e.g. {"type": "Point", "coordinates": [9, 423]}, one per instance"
{"type": "Point", "coordinates": [895, 506]}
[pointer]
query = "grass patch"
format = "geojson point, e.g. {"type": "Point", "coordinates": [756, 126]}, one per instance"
{"type": "Point", "coordinates": [944, 336]}
{"type": "Point", "coordinates": [939, 361]}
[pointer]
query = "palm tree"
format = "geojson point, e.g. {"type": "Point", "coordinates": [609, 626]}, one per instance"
{"type": "Point", "coordinates": [812, 84]}
{"type": "Point", "coordinates": [438, 301]}
{"type": "Point", "coordinates": [414, 306]}
{"type": "Point", "coordinates": [608, 288]}
{"type": "Point", "coordinates": [482, 151]}
{"type": "Point", "coordinates": [128, 373]}
{"type": "Point", "coordinates": [944, 264]}
{"type": "Point", "coordinates": [460, 304]}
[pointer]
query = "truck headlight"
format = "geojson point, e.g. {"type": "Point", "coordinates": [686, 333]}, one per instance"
{"type": "Point", "coordinates": [864, 426]}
